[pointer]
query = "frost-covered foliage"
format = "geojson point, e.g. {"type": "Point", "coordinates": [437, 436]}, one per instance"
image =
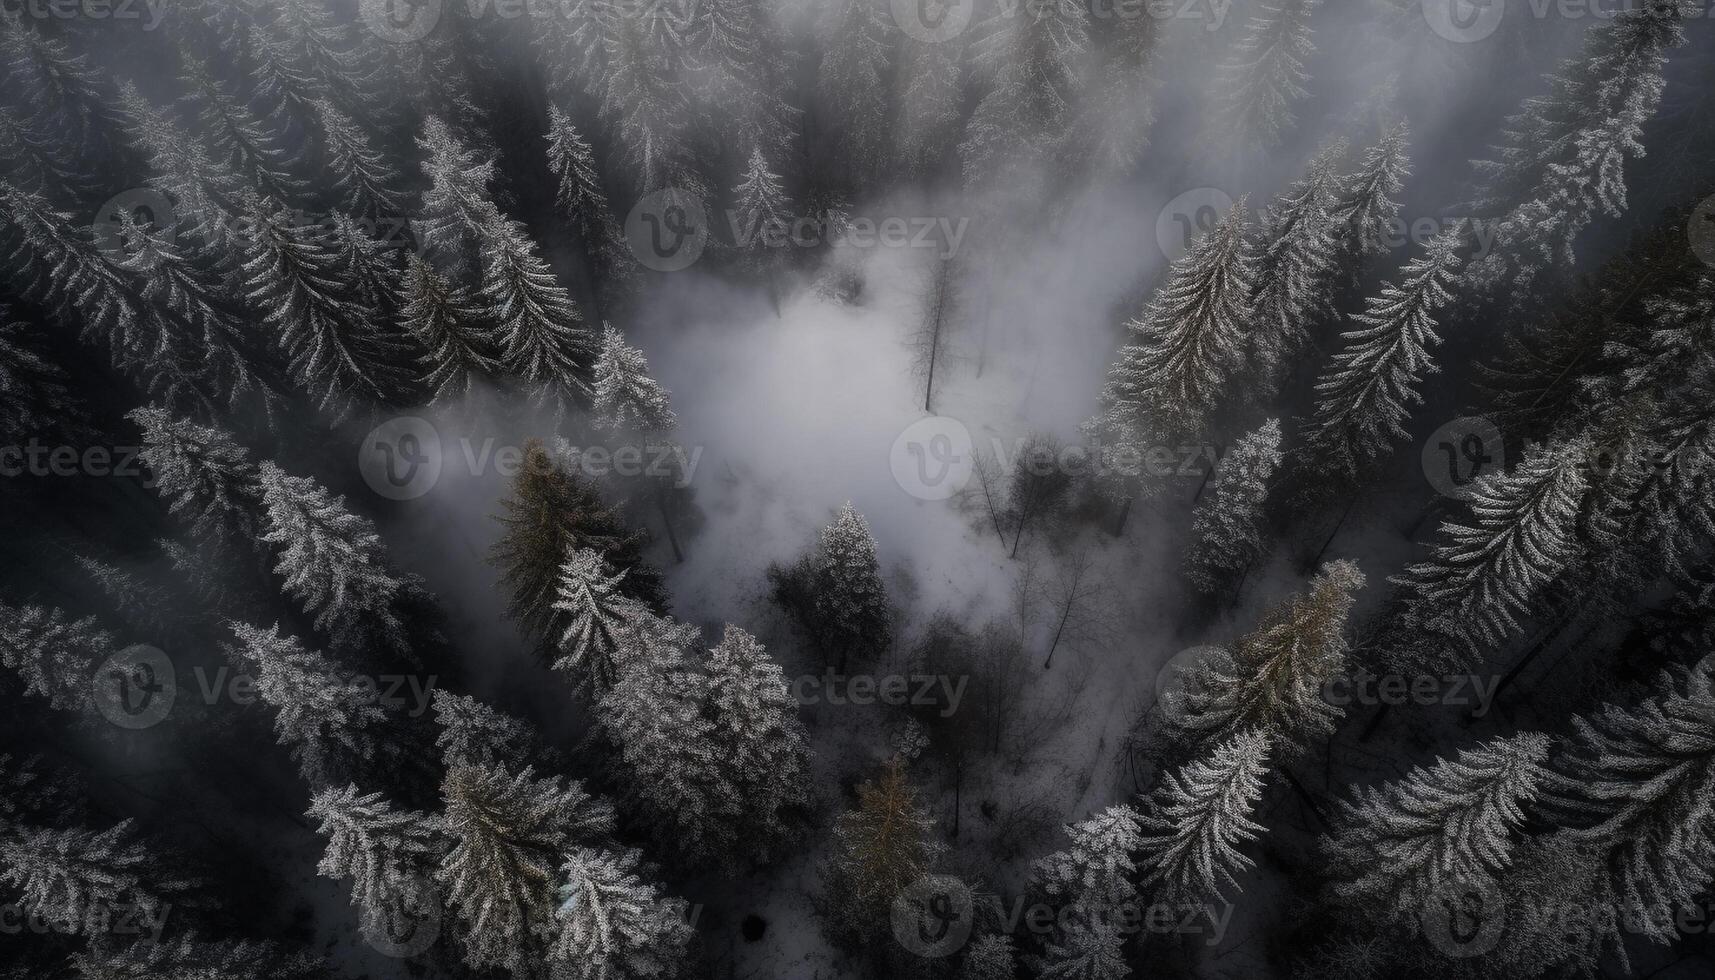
{"type": "Point", "coordinates": [68, 876]}
{"type": "Point", "coordinates": [626, 397]}
{"type": "Point", "coordinates": [472, 733]}
{"type": "Point", "coordinates": [52, 653]}
{"type": "Point", "coordinates": [1200, 816]}
{"type": "Point", "coordinates": [1267, 72]}
{"type": "Point", "coordinates": [1227, 525]}
{"type": "Point", "coordinates": [206, 476]}
{"type": "Point", "coordinates": [327, 718]}
{"type": "Point", "coordinates": [614, 924]}
{"type": "Point", "coordinates": [762, 747]}
{"type": "Point", "coordinates": [388, 854]}
{"type": "Point", "coordinates": [598, 620]}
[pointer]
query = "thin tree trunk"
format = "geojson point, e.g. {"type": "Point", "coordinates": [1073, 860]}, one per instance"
{"type": "Point", "coordinates": [1334, 533]}
{"type": "Point", "coordinates": [1125, 512]}
{"type": "Point", "coordinates": [667, 522]}
{"type": "Point", "coordinates": [1065, 614]}
{"type": "Point", "coordinates": [1205, 482]}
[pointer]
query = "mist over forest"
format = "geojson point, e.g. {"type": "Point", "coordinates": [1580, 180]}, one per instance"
{"type": "Point", "coordinates": [820, 489]}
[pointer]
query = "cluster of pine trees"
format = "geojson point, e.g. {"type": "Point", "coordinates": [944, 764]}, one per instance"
{"type": "Point", "coordinates": [264, 223]}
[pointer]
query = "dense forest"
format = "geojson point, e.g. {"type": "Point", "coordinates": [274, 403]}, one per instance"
{"type": "Point", "coordinates": [809, 489]}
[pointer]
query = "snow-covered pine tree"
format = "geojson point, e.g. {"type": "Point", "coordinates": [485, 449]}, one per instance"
{"type": "Point", "coordinates": [930, 105]}
{"type": "Point", "coordinates": [626, 397]}
{"type": "Point", "coordinates": [541, 333]}
{"type": "Point", "coordinates": [763, 212]}
{"type": "Point", "coordinates": [207, 192]}
{"type": "Point", "coordinates": [849, 600]}
{"type": "Point", "coordinates": [1279, 671]}
{"type": "Point", "coordinates": [879, 848]}
{"type": "Point", "coordinates": [1032, 66]}
{"type": "Point", "coordinates": [40, 165]}
{"type": "Point", "coordinates": [645, 103]}
{"type": "Point", "coordinates": [238, 136]}
{"type": "Point", "coordinates": [851, 82]}
{"type": "Point", "coordinates": [293, 275]}
{"type": "Point", "coordinates": [1118, 105]}
{"type": "Point", "coordinates": [366, 266]}
{"type": "Point", "coordinates": [60, 91]}
{"type": "Point", "coordinates": [595, 619]}
{"type": "Point", "coordinates": [457, 206]}
{"type": "Point", "coordinates": [758, 741]}
{"type": "Point", "coordinates": [1562, 157]}
{"type": "Point", "coordinates": [326, 719]}
{"type": "Point", "coordinates": [332, 560]}
{"type": "Point", "coordinates": [185, 958]}
{"type": "Point", "coordinates": [1093, 878]}
{"type": "Point", "coordinates": [1487, 573]}
{"type": "Point", "coordinates": [989, 957]}
{"type": "Point", "coordinates": [657, 715]}
{"type": "Point", "coordinates": [1447, 825]}
{"type": "Point", "coordinates": [550, 514]}
{"type": "Point", "coordinates": [1189, 342]}
{"type": "Point", "coordinates": [142, 602]}
{"type": "Point", "coordinates": [747, 64]}
{"type": "Point", "coordinates": [1227, 524]}
{"type": "Point", "coordinates": [387, 854]}
{"type": "Point", "coordinates": [206, 477]}
{"type": "Point", "coordinates": [511, 834]}
{"type": "Point", "coordinates": [1198, 818]}
{"type": "Point", "coordinates": [360, 172]}
{"type": "Point", "coordinates": [1370, 200]}
{"type": "Point", "coordinates": [459, 348]}
{"type": "Point", "coordinates": [1638, 786]}
{"type": "Point", "coordinates": [318, 44]}
{"type": "Point", "coordinates": [582, 201]}
{"type": "Point", "coordinates": [1364, 397]}
{"type": "Point", "coordinates": [474, 734]}
{"type": "Point", "coordinates": [66, 874]}
{"type": "Point", "coordinates": [1266, 73]}
{"type": "Point", "coordinates": [36, 390]}
{"type": "Point", "coordinates": [613, 923]}
{"type": "Point", "coordinates": [1296, 268]}
{"type": "Point", "coordinates": [53, 653]}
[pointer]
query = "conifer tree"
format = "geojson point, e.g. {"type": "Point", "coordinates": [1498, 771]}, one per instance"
{"type": "Point", "coordinates": [1364, 397]}
{"type": "Point", "coordinates": [362, 176]}
{"type": "Point", "coordinates": [208, 193]}
{"type": "Point", "coordinates": [596, 619]}
{"type": "Point", "coordinates": [1200, 815]}
{"type": "Point", "coordinates": [1119, 104]}
{"type": "Point", "coordinates": [1636, 787]}
{"type": "Point", "coordinates": [1370, 201]}
{"type": "Point", "coordinates": [40, 165]}
{"type": "Point", "coordinates": [53, 653]}
{"type": "Point", "coordinates": [542, 336]}
{"type": "Point", "coordinates": [459, 348]}
{"type": "Point", "coordinates": [763, 211]}
{"type": "Point", "coordinates": [1562, 157]}
{"type": "Point", "coordinates": [989, 957]}
{"type": "Point", "coordinates": [626, 397]}
{"type": "Point", "coordinates": [332, 560]}
{"type": "Point", "coordinates": [141, 602]}
{"type": "Point", "coordinates": [1189, 342]}
{"type": "Point", "coordinates": [582, 201]}
{"type": "Point", "coordinates": [387, 854]}
{"type": "Point", "coordinates": [60, 90]}
{"type": "Point", "coordinates": [1227, 525]}
{"type": "Point", "coordinates": [1450, 824]}
{"type": "Point", "coordinates": [1093, 878]}
{"type": "Point", "coordinates": [879, 848]}
{"type": "Point", "coordinates": [843, 602]}
{"type": "Point", "coordinates": [36, 391]}
{"type": "Point", "coordinates": [1266, 73]}
{"type": "Point", "coordinates": [550, 514]}
{"type": "Point", "coordinates": [457, 205]}
{"type": "Point", "coordinates": [238, 137]}
{"type": "Point", "coordinates": [747, 64]}
{"type": "Point", "coordinates": [761, 746]}
{"type": "Point", "coordinates": [851, 81]}
{"type": "Point", "coordinates": [1522, 534]}
{"type": "Point", "coordinates": [474, 734]}
{"type": "Point", "coordinates": [205, 475]}
{"type": "Point", "coordinates": [930, 105]}
{"type": "Point", "coordinates": [511, 834]}
{"type": "Point", "coordinates": [612, 923]}
{"type": "Point", "coordinates": [66, 874]}
{"type": "Point", "coordinates": [645, 104]}
{"type": "Point", "coordinates": [188, 959]}
{"type": "Point", "coordinates": [1278, 672]}
{"type": "Point", "coordinates": [325, 718]}
{"type": "Point", "coordinates": [1032, 66]}
{"type": "Point", "coordinates": [1296, 267]}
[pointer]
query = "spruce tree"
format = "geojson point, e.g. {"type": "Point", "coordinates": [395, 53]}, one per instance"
{"type": "Point", "coordinates": [612, 923]}
{"type": "Point", "coordinates": [332, 561]}
{"type": "Point", "coordinates": [1032, 66]}
{"type": "Point", "coordinates": [761, 747]}
{"type": "Point", "coordinates": [474, 734]}
{"type": "Point", "coordinates": [763, 212]}
{"type": "Point", "coordinates": [1198, 818]}
{"type": "Point", "coordinates": [185, 958]}
{"type": "Point", "coordinates": [989, 957]}
{"type": "Point", "coordinates": [205, 475]}
{"type": "Point", "coordinates": [879, 848]}
{"type": "Point", "coordinates": [67, 874]}
{"type": "Point", "coordinates": [459, 347]}
{"type": "Point", "coordinates": [1266, 75]}
{"type": "Point", "coordinates": [581, 200]}
{"type": "Point", "coordinates": [36, 390]}
{"type": "Point", "coordinates": [1296, 268]}
{"type": "Point", "coordinates": [849, 600]}
{"type": "Point", "coordinates": [851, 82]}
{"type": "Point", "coordinates": [52, 653]}
{"type": "Point", "coordinates": [1227, 525]}
{"type": "Point", "coordinates": [1364, 397]}
{"type": "Point", "coordinates": [457, 205]}
{"type": "Point", "coordinates": [367, 184]}
{"type": "Point", "coordinates": [239, 137]}
{"type": "Point", "coordinates": [327, 719]}
{"type": "Point", "coordinates": [542, 336]}
{"type": "Point", "coordinates": [1189, 342]}
{"type": "Point", "coordinates": [596, 618]}
{"type": "Point", "coordinates": [626, 397]}
{"type": "Point", "coordinates": [1370, 201]}
{"type": "Point", "coordinates": [1447, 825]}
{"type": "Point", "coordinates": [386, 853]}
{"type": "Point", "coordinates": [1092, 878]}
{"type": "Point", "coordinates": [511, 834]}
